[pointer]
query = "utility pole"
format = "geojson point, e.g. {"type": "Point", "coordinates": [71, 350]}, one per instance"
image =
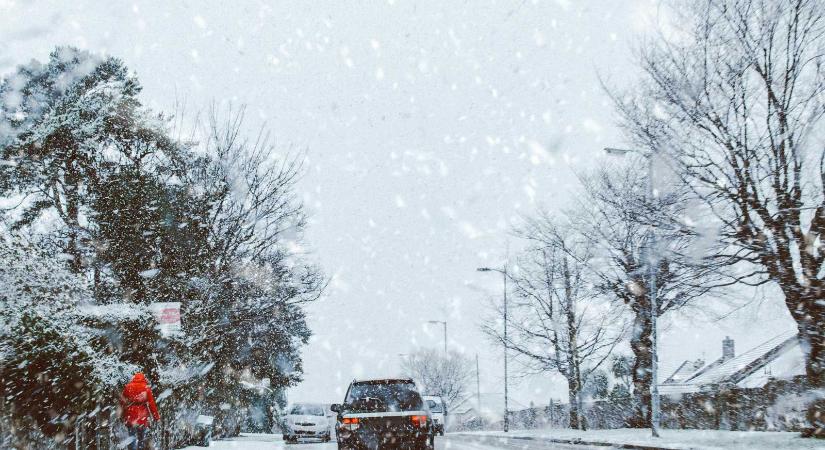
{"type": "Point", "coordinates": [506, 392]}
{"type": "Point", "coordinates": [503, 271]}
{"type": "Point", "coordinates": [653, 263]}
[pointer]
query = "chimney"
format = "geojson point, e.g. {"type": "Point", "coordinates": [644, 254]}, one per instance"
{"type": "Point", "coordinates": [728, 351]}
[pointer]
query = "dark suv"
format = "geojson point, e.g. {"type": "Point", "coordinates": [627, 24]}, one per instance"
{"type": "Point", "coordinates": [384, 413]}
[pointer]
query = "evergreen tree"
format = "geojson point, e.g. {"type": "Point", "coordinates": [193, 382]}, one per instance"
{"type": "Point", "coordinates": [66, 124]}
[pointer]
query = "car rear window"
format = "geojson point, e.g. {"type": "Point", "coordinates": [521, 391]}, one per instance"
{"type": "Point", "coordinates": [384, 396]}
{"type": "Point", "coordinates": [434, 406]}
{"type": "Point", "coordinates": [307, 410]}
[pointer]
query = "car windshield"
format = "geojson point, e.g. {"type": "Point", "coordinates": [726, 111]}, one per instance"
{"type": "Point", "coordinates": [434, 406]}
{"type": "Point", "coordinates": [306, 410]}
{"type": "Point", "coordinates": [381, 396]}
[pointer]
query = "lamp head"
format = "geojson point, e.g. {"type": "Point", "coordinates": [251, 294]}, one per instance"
{"type": "Point", "coordinates": [616, 151]}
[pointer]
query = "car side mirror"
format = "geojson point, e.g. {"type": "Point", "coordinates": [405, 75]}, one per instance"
{"type": "Point", "coordinates": [336, 407]}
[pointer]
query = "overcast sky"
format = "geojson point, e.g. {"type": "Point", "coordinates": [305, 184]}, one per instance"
{"type": "Point", "coordinates": [430, 127]}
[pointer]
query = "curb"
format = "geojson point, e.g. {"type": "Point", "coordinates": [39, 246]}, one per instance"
{"type": "Point", "coordinates": [574, 441]}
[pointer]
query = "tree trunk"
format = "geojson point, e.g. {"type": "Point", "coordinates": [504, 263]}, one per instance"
{"type": "Point", "coordinates": [809, 313]}
{"type": "Point", "coordinates": [580, 406]}
{"type": "Point", "coordinates": [71, 191]}
{"type": "Point", "coordinates": [640, 344]}
{"type": "Point", "coordinates": [573, 399]}
{"type": "Point", "coordinates": [574, 380]}
{"type": "Point", "coordinates": [813, 345]}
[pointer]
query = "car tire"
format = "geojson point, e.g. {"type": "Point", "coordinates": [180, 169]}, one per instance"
{"type": "Point", "coordinates": [428, 444]}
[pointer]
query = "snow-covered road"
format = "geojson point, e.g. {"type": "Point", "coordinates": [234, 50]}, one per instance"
{"type": "Point", "coordinates": [270, 442]}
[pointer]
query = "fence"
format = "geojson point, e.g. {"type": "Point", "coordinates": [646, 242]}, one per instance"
{"type": "Point", "coordinates": [778, 406]}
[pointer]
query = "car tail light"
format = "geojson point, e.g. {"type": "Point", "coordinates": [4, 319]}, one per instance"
{"type": "Point", "coordinates": [419, 421]}
{"type": "Point", "coordinates": [349, 423]}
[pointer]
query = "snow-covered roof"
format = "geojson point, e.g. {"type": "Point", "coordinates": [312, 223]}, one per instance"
{"type": "Point", "coordinates": [743, 370]}
{"type": "Point", "coordinates": [685, 371]}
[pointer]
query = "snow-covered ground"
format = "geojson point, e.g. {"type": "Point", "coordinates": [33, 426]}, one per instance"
{"type": "Point", "coordinates": [449, 442]}
{"type": "Point", "coordinates": [679, 439]}
{"type": "Point", "coordinates": [250, 441]}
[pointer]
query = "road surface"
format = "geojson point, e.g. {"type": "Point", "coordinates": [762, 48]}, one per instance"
{"type": "Point", "coordinates": [270, 442]}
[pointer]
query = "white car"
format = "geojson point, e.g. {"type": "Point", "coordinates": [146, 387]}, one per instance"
{"type": "Point", "coordinates": [308, 420]}
{"type": "Point", "coordinates": [438, 409]}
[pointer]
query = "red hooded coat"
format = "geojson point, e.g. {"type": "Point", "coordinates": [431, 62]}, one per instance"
{"type": "Point", "coordinates": [138, 402]}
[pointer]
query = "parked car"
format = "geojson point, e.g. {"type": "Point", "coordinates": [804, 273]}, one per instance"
{"type": "Point", "coordinates": [381, 412]}
{"type": "Point", "coordinates": [308, 420]}
{"type": "Point", "coordinates": [438, 409]}
{"type": "Point", "coordinates": [193, 426]}
{"type": "Point", "coordinates": [203, 430]}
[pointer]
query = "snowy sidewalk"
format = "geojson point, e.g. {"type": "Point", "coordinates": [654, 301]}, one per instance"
{"type": "Point", "coordinates": [670, 439]}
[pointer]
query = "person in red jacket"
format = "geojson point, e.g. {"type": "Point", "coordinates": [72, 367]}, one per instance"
{"type": "Point", "coordinates": [137, 404]}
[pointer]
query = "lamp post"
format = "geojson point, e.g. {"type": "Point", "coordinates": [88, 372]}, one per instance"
{"type": "Point", "coordinates": [478, 387]}
{"type": "Point", "coordinates": [442, 322]}
{"type": "Point", "coordinates": [654, 307]}
{"type": "Point", "coordinates": [503, 271]}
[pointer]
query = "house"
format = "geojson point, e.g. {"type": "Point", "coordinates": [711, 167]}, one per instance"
{"type": "Point", "coordinates": [777, 358]}
{"type": "Point", "coordinates": [761, 389]}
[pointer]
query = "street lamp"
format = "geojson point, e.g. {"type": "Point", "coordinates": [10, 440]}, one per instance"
{"type": "Point", "coordinates": [478, 387]}
{"type": "Point", "coordinates": [503, 271]}
{"type": "Point", "coordinates": [654, 307]}
{"type": "Point", "coordinates": [445, 331]}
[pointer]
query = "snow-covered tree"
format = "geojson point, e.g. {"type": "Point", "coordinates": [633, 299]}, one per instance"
{"type": "Point", "coordinates": [64, 126]}
{"type": "Point", "coordinates": [735, 98]}
{"type": "Point", "coordinates": [143, 217]}
{"type": "Point", "coordinates": [447, 375]}
{"type": "Point", "coordinates": [617, 215]}
{"type": "Point", "coordinates": [246, 317]}
{"type": "Point", "coordinates": [559, 322]}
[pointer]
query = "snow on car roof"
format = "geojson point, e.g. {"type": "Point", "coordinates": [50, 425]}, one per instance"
{"type": "Point", "coordinates": [369, 380]}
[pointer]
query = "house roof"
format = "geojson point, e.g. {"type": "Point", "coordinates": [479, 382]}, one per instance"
{"type": "Point", "coordinates": [685, 371]}
{"type": "Point", "coordinates": [736, 369]}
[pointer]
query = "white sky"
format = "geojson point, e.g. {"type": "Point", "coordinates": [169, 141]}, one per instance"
{"type": "Point", "coordinates": [430, 127]}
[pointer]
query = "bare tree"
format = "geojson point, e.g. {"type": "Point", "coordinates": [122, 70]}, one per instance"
{"type": "Point", "coordinates": [738, 100]}
{"type": "Point", "coordinates": [616, 215]}
{"type": "Point", "coordinates": [254, 208]}
{"type": "Point", "coordinates": [559, 323]}
{"type": "Point", "coordinates": [439, 374]}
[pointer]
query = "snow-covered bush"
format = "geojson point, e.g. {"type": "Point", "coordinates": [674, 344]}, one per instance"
{"type": "Point", "coordinates": [54, 369]}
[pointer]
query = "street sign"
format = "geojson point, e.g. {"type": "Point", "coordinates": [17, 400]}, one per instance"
{"type": "Point", "coordinates": [167, 314]}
